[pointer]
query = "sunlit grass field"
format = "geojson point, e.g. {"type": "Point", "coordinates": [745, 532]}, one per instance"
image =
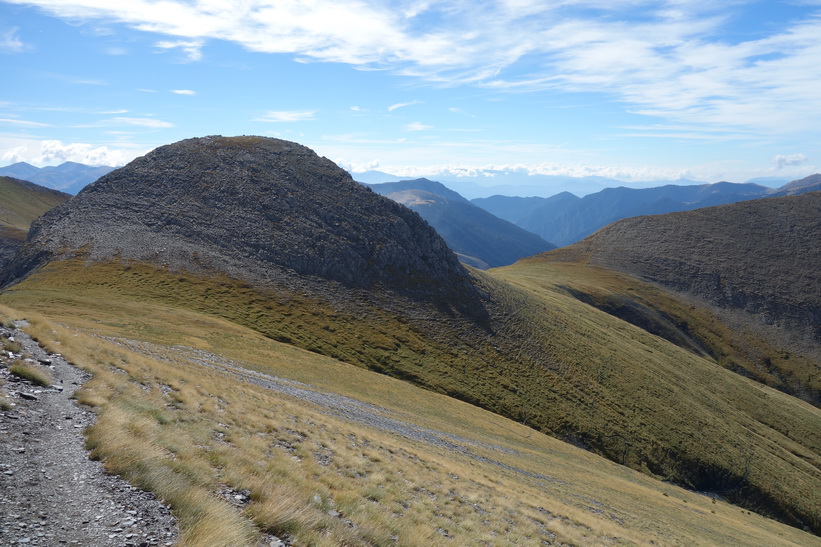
{"type": "Point", "coordinates": [179, 415]}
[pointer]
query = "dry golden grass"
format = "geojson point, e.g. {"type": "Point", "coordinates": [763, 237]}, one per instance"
{"type": "Point", "coordinates": [35, 374]}
{"type": "Point", "coordinates": [197, 436]}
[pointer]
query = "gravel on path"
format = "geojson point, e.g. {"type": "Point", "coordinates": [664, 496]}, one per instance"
{"type": "Point", "coordinates": [51, 493]}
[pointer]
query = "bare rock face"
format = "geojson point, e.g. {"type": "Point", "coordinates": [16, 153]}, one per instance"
{"type": "Point", "coordinates": [254, 208]}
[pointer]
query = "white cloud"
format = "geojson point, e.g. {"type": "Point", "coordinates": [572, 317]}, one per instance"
{"type": "Point", "coordinates": [9, 42]}
{"type": "Point", "coordinates": [192, 48]}
{"type": "Point", "coordinates": [789, 160]}
{"type": "Point", "coordinates": [676, 61]}
{"type": "Point", "coordinates": [357, 167]}
{"type": "Point", "coordinates": [491, 171]}
{"type": "Point", "coordinates": [14, 155]}
{"type": "Point", "coordinates": [417, 126]}
{"type": "Point", "coordinates": [278, 116]}
{"type": "Point", "coordinates": [393, 107]}
{"type": "Point", "coordinates": [52, 152]}
{"type": "Point", "coordinates": [183, 92]}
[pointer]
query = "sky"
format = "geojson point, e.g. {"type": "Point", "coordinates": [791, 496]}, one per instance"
{"type": "Point", "coordinates": [626, 89]}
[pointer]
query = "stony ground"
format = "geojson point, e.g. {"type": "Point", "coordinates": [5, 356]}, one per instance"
{"type": "Point", "coordinates": [51, 493]}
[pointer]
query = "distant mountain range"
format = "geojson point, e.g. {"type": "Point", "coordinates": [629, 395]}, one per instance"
{"type": "Point", "coordinates": [484, 241]}
{"type": "Point", "coordinates": [564, 218]}
{"type": "Point", "coordinates": [69, 177]}
{"type": "Point", "coordinates": [476, 236]}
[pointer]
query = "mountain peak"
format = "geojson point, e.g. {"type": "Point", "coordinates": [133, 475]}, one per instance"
{"type": "Point", "coordinates": [259, 209]}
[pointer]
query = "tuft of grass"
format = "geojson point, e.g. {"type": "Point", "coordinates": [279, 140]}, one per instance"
{"type": "Point", "coordinates": [12, 346]}
{"type": "Point", "coordinates": [5, 404]}
{"type": "Point", "coordinates": [34, 374]}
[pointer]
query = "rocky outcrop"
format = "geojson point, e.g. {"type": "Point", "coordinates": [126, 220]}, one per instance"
{"type": "Point", "coordinates": [262, 210]}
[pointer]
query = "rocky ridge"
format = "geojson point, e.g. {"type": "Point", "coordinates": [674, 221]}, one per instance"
{"type": "Point", "coordinates": [263, 210]}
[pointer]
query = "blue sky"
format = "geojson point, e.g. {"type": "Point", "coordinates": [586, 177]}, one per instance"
{"type": "Point", "coordinates": [625, 89]}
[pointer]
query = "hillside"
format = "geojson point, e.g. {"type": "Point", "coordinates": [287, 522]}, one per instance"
{"type": "Point", "coordinates": [477, 237]}
{"type": "Point", "coordinates": [263, 239]}
{"type": "Point", "coordinates": [20, 203]}
{"type": "Point", "coordinates": [755, 261]}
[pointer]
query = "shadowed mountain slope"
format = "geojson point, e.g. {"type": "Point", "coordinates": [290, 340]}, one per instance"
{"type": "Point", "coordinates": [476, 236]}
{"type": "Point", "coordinates": [20, 203]}
{"type": "Point", "coordinates": [265, 234]}
{"type": "Point", "coordinates": [760, 256]}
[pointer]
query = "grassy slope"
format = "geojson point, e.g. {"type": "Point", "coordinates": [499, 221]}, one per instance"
{"type": "Point", "coordinates": [608, 386]}
{"type": "Point", "coordinates": [187, 431]}
{"type": "Point", "coordinates": [21, 204]}
{"type": "Point", "coordinates": [668, 408]}
{"type": "Point", "coordinates": [683, 322]}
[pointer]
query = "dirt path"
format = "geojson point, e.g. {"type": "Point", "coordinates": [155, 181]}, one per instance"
{"type": "Point", "coordinates": [51, 493]}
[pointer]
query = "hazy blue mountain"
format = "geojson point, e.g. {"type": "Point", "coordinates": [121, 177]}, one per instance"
{"type": "Point", "coordinates": [20, 170]}
{"type": "Point", "coordinates": [69, 177]}
{"type": "Point", "coordinates": [387, 188]}
{"type": "Point", "coordinates": [478, 237]}
{"type": "Point", "coordinates": [567, 223]}
{"type": "Point", "coordinates": [514, 208]}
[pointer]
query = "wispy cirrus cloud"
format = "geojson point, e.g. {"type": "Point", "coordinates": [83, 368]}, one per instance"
{"type": "Point", "coordinates": [152, 123]}
{"type": "Point", "coordinates": [10, 42]}
{"type": "Point", "coordinates": [183, 92]}
{"type": "Point", "coordinates": [279, 116]}
{"type": "Point", "coordinates": [22, 123]}
{"type": "Point", "coordinates": [393, 107]}
{"type": "Point", "coordinates": [671, 59]}
{"type": "Point", "coordinates": [191, 48]}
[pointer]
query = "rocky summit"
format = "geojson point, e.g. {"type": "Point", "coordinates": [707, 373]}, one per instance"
{"type": "Point", "coordinates": [257, 209]}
